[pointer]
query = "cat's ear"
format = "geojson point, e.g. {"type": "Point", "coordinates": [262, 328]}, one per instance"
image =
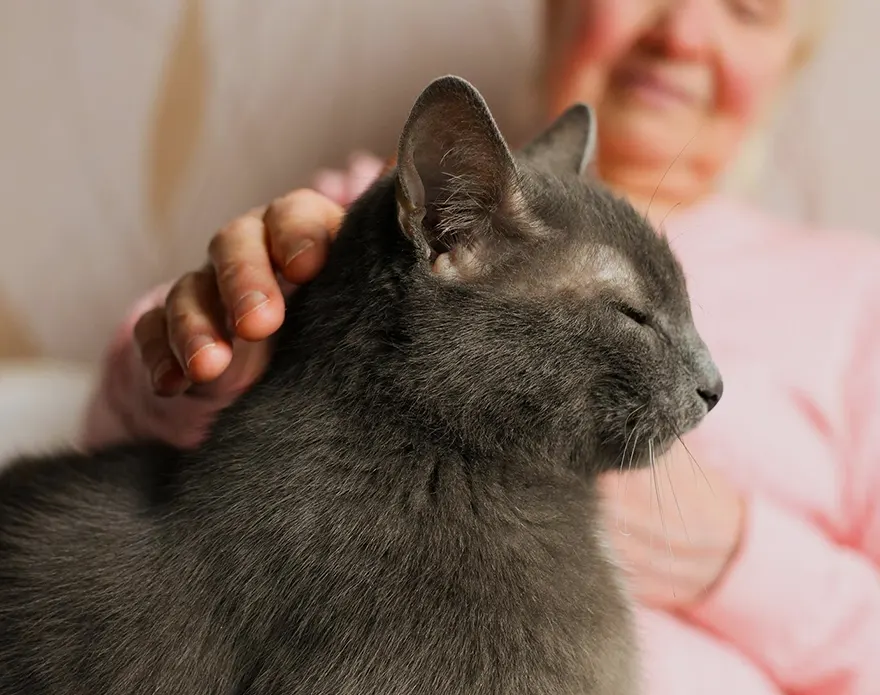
{"type": "Point", "coordinates": [457, 179]}
{"type": "Point", "coordinates": [568, 145]}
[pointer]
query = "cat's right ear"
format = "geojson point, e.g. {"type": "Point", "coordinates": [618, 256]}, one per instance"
{"type": "Point", "coordinates": [568, 145]}
{"type": "Point", "coordinates": [457, 180]}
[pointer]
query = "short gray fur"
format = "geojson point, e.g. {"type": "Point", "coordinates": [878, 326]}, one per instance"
{"type": "Point", "coordinates": [405, 503]}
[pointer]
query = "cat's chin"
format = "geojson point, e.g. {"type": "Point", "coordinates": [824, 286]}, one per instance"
{"type": "Point", "coordinates": [626, 457]}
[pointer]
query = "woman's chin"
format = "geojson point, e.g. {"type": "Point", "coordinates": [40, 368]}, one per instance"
{"type": "Point", "coordinates": [640, 135]}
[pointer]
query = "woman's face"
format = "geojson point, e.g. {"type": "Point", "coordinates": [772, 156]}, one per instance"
{"type": "Point", "coordinates": [665, 75]}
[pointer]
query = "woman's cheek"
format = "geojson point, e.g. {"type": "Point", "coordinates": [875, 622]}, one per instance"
{"type": "Point", "coordinates": [749, 78]}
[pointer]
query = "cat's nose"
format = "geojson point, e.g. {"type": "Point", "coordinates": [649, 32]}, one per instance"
{"type": "Point", "coordinates": [711, 392]}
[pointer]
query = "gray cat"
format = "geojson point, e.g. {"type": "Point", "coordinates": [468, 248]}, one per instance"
{"type": "Point", "coordinates": [405, 504]}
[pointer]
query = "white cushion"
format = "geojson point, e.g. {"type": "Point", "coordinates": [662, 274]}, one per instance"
{"type": "Point", "coordinates": [42, 404]}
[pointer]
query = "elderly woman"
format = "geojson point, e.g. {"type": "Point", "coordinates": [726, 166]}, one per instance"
{"type": "Point", "coordinates": [756, 572]}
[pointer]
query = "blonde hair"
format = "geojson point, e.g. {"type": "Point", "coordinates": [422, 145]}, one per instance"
{"type": "Point", "coordinates": [814, 26]}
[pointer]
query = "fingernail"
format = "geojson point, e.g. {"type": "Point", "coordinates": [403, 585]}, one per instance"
{"type": "Point", "coordinates": [248, 304]}
{"type": "Point", "coordinates": [195, 346]}
{"type": "Point", "coordinates": [161, 370]}
{"type": "Point", "coordinates": [167, 378]}
{"type": "Point", "coordinates": [298, 249]}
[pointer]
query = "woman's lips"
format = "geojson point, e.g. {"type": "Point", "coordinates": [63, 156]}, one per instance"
{"type": "Point", "coordinates": [653, 88]}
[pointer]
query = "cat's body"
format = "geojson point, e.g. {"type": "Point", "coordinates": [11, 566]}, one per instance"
{"type": "Point", "coordinates": [405, 503]}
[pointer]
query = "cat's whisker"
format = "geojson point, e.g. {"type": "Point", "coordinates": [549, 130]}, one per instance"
{"type": "Point", "coordinates": [660, 510]}
{"type": "Point", "coordinates": [691, 459]}
{"type": "Point", "coordinates": [696, 463]}
{"type": "Point", "coordinates": [635, 443]}
{"type": "Point", "coordinates": [622, 530]}
{"type": "Point", "coordinates": [628, 437]}
{"type": "Point", "coordinates": [626, 480]}
{"type": "Point", "coordinates": [675, 498]}
{"type": "Point", "coordinates": [668, 169]}
{"type": "Point", "coordinates": [620, 470]}
{"type": "Point", "coordinates": [660, 227]}
{"type": "Point", "coordinates": [632, 455]}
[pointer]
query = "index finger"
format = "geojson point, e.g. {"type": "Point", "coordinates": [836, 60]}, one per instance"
{"type": "Point", "coordinates": [300, 227]}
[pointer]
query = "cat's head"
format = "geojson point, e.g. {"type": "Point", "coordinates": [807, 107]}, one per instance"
{"type": "Point", "coordinates": [541, 309]}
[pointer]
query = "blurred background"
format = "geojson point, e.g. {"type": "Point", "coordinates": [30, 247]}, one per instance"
{"type": "Point", "coordinates": [131, 130]}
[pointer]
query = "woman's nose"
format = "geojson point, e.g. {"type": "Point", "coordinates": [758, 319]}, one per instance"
{"type": "Point", "coordinates": [683, 28]}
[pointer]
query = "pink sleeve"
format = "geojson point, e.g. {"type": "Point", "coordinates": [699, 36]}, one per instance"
{"type": "Point", "coordinates": [805, 608]}
{"type": "Point", "coordinates": [863, 416]}
{"type": "Point", "coordinates": [124, 407]}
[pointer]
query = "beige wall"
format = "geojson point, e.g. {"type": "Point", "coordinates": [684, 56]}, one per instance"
{"type": "Point", "coordinates": [824, 159]}
{"type": "Point", "coordinates": [130, 129]}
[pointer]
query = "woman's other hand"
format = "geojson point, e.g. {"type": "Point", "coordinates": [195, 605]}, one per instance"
{"type": "Point", "coordinates": [344, 187]}
{"type": "Point", "coordinates": [675, 527]}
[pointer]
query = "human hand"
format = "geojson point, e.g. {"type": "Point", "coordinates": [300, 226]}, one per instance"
{"type": "Point", "coordinates": [344, 187]}
{"type": "Point", "coordinates": [675, 528]}
{"type": "Point", "coordinates": [210, 336]}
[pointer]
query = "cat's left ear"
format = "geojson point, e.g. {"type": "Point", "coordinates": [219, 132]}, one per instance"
{"type": "Point", "coordinates": [458, 186]}
{"type": "Point", "coordinates": [568, 145]}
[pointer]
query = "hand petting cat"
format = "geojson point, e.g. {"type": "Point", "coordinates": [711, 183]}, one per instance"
{"type": "Point", "coordinates": [675, 527]}
{"type": "Point", "coordinates": [184, 340]}
{"type": "Point", "coordinates": [344, 186]}
{"type": "Point", "coordinates": [208, 334]}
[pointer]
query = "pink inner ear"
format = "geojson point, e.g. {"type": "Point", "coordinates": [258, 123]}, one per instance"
{"type": "Point", "coordinates": [459, 263]}
{"type": "Point", "coordinates": [451, 145]}
{"type": "Point", "coordinates": [444, 266]}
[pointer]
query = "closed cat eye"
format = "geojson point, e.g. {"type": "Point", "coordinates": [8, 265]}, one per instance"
{"type": "Point", "coordinates": [633, 314]}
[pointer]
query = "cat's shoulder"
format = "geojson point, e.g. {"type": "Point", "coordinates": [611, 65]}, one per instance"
{"type": "Point", "coordinates": [142, 469]}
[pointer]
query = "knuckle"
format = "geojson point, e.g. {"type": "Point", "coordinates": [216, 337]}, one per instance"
{"type": "Point", "coordinates": [293, 204]}
{"type": "Point", "coordinates": [231, 234]}
{"type": "Point", "coordinates": [181, 323]}
{"type": "Point", "coordinates": [180, 290]}
{"type": "Point", "coordinates": [175, 294]}
{"type": "Point", "coordinates": [229, 273]}
{"type": "Point", "coordinates": [300, 196]}
{"type": "Point", "coordinates": [221, 239]}
{"type": "Point", "coordinates": [234, 279]}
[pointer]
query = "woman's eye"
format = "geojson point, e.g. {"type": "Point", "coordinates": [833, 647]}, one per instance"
{"type": "Point", "coordinates": [634, 314]}
{"type": "Point", "coordinates": [755, 11]}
